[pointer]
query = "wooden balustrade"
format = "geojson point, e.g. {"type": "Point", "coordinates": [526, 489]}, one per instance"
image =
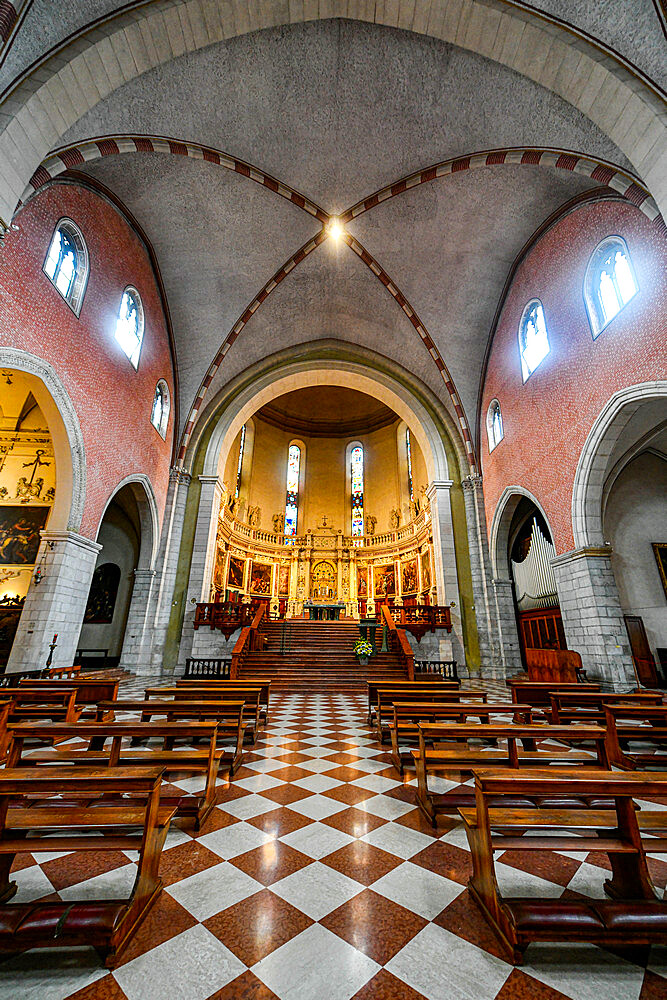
{"type": "Point", "coordinates": [418, 619]}
{"type": "Point", "coordinates": [226, 616]}
{"type": "Point", "coordinates": [398, 641]}
{"type": "Point", "coordinates": [250, 641]}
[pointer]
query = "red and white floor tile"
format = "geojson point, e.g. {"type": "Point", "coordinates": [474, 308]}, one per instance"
{"type": "Point", "coordinates": [316, 878]}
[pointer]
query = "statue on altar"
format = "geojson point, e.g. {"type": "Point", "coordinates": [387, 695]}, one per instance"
{"type": "Point", "coordinates": [395, 519]}
{"type": "Point", "coordinates": [278, 524]}
{"type": "Point", "coordinates": [369, 524]}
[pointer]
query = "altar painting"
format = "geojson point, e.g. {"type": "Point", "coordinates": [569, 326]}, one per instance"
{"type": "Point", "coordinates": [426, 571]}
{"type": "Point", "coordinates": [19, 534]}
{"type": "Point", "coordinates": [409, 577]}
{"type": "Point", "coordinates": [260, 579]}
{"type": "Point", "coordinates": [324, 582]}
{"type": "Point", "coordinates": [283, 584]}
{"type": "Point", "coordinates": [362, 581]}
{"type": "Point", "coordinates": [385, 581]}
{"type": "Point", "coordinates": [235, 573]}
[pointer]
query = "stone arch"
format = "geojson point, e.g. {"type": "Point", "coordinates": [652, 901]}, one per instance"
{"type": "Point", "coordinates": [144, 496]}
{"type": "Point", "coordinates": [500, 527]}
{"type": "Point", "coordinates": [589, 480]}
{"type": "Point", "coordinates": [65, 429]}
{"type": "Point", "coordinates": [582, 71]}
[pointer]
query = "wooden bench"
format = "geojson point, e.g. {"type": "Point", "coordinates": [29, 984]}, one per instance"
{"type": "Point", "coordinates": [230, 716]}
{"type": "Point", "coordinates": [35, 703]}
{"type": "Point", "coordinates": [410, 688]}
{"type": "Point", "coordinates": [89, 690]}
{"type": "Point", "coordinates": [432, 758]}
{"type": "Point", "coordinates": [571, 706]}
{"type": "Point", "coordinates": [538, 692]}
{"type": "Point", "coordinates": [102, 746]}
{"type": "Point", "coordinates": [4, 732]}
{"type": "Point", "coordinates": [140, 823]}
{"type": "Point", "coordinates": [640, 723]}
{"type": "Point", "coordinates": [408, 714]}
{"type": "Point", "coordinates": [384, 707]}
{"type": "Point", "coordinates": [252, 694]}
{"type": "Point", "coordinates": [634, 915]}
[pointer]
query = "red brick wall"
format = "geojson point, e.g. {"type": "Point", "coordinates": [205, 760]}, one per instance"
{"type": "Point", "coordinates": [547, 419]}
{"type": "Point", "coordinates": [112, 400]}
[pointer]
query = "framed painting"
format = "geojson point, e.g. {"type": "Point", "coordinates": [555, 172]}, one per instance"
{"type": "Point", "coordinates": [426, 571]}
{"type": "Point", "coordinates": [102, 596]}
{"type": "Point", "coordinates": [385, 581]}
{"type": "Point", "coordinates": [283, 582]}
{"type": "Point", "coordinates": [362, 581]}
{"type": "Point", "coordinates": [235, 573]}
{"type": "Point", "coordinates": [19, 534]}
{"type": "Point", "coordinates": [260, 579]}
{"type": "Point", "coordinates": [660, 553]}
{"type": "Point", "coordinates": [409, 577]}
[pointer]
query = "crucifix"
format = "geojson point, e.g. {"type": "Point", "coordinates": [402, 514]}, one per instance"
{"type": "Point", "coordinates": [35, 464]}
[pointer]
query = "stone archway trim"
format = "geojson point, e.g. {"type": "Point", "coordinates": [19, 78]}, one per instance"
{"type": "Point", "coordinates": [588, 484]}
{"type": "Point", "coordinates": [499, 561]}
{"type": "Point", "coordinates": [75, 483]}
{"type": "Point", "coordinates": [148, 512]}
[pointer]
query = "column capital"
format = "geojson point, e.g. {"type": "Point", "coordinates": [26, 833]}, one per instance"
{"type": "Point", "coordinates": [472, 483]}
{"type": "Point", "coordinates": [210, 479]}
{"type": "Point", "coordinates": [70, 537]}
{"type": "Point", "coordinates": [144, 574]}
{"type": "Point", "coordinates": [590, 552]}
{"type": "Point", "coordinates": [438, 484]}
{"type": "Point", "coordinates": [178, 474]}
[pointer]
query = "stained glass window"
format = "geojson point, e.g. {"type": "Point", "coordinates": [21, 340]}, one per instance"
{"type": "Point", "coordinates": [130, 325]}
{"type": "Point", "coordinates": [408, 450]}
{"type": "Point", "coordinates": [292, 501]}
{"type": "Point", "coordinates": [160, 411]}
{"type": "Point", "coordinates": [66, 263]}
{"type": "Point", "coordinates": [239, 467]}
{"type": "Point", "coordinates": [610, 282]}
{"type": "Point", "coordinates": [494, 424]}
{"type": "Point", "coordinates": [533, 338]}
{"type": "Point", "coordinates": [357, 489]}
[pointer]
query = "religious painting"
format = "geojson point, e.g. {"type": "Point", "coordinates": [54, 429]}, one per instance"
{"type": "Point", "coordinates": [218, 570]}
{"type": "Point", "coordinates": [385, 581]}
{"type": "Point", "coordinates": [660, 553]}
{"type": "Point", "coordinates": [260, 579]}
{"type": "Point", "coordinates": [362, 581]}
{"type": "Point", "coordinates": [409, 577]}
{"type": "Point", "coordinates": [102, 595]}
{"type": "Point", "coordinates": [324, 582]}
{"type": "Point", "coordinates": [283, 582]}
{"type": "Point", "coordinates": [426, 571]}
{"type": "Point", "coordinates": [235, 573]}
{"type": "Point", "coordinates": [19, 533]}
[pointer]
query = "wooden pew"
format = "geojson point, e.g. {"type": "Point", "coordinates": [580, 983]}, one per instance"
{"type": "Point", "coordinates": [138, 824]}
{"type": "Point", "coordinates": [641, 723]}
{"type": "Point", "coordinates": [229, 715]}
{"type": "Point", "coordinates": [572, 706]}
{"type": "Point", "coordinates": [634, 915]}
{"type": "Point", "coordinates": [408, 714]}
{"type": "Point", "coordinates": [264, 684]}
{"type": "Point", "coordinates": [250, 693]}
{"type": "Point", "coordinates": [432, 758]}
{"type": "Point", "coordinates": [103, 747]}
{"type": "Point", "coordinates": [90, 689]}
{"type": "Point", "coordinates": [538, 692]}
{"type": "Point", "coordinates": [4, 733]}
{"type": "Point", "coordinates": [409, 687]}
{"type": "Point", "coordinates": [384, 708]}
{"type": "Point", "coordinates": [35, 703]}
{"type": "Point", "coordinates": [64, 673]}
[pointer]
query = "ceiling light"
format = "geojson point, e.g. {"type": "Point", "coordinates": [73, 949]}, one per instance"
{"type": "Point", "coordinates": [335, 230]}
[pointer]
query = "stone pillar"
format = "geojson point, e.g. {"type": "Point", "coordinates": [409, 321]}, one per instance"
{"type": "Point", "coordinates": [592, 615]}
{"type": "Point", "coordinates": [65, 562]}
{"type": "Point", "coordinates": [135, 654]}
{"type": "Point", "coordinates": [446, 575]}
{"type": "Point", "coordinates": [203, 557]}
{"type": "Point", "coordinates": [507, 646]}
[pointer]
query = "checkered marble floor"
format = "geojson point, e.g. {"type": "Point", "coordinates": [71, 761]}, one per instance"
{"type": "Point", "coordinates": [316, 878]}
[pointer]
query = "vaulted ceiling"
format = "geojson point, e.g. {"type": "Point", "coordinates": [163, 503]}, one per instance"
{"type": "Point", "coordinates": [337, 110]}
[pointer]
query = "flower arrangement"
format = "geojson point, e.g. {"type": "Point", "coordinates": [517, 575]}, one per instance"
{"type": "Point", "coordinates": [363, 647]}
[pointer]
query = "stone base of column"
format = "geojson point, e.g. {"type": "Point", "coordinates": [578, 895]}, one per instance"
{"type": "Point", "coordinates": [592, 616]}
{"type": "Point", "coordinates": [55, 605]}
{"type": "Point", "coordinates": [137, 644]}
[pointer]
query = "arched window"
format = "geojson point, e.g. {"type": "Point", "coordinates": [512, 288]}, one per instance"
{"type": "Point", "coordinates": [494, 424]}
{"type": "Point", "coordinates": [66, 263]}
{"type": "Point", "coordinates": [130, 325]}
{"type": "Point", "coordinates": [610, 282]}
{"type": "Point", "coordinates": [408, 452]}
{"type": "Point", "coordinates": [533, 338]}
{"type": "Point", "coordinates": [239, 467]}
{"type": "Point", "coordinates": [357, 489]}
{"type": "Point", "coordinates": [292, 500]}
{"type": "Point", "coordinates": [160, 411]}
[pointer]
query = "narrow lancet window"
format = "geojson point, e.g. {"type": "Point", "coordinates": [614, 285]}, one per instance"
{"type": "Point", "coordinates": [408, 452]}
{"type": "Point", "coordinates": [357, 488]}
{"type": "Point", "coordinates": [239, 467]}
{"type": "Point", "coordinates": [292, 501]}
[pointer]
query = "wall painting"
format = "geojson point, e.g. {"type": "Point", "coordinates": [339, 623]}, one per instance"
{"type": "Point", "coordinates": [260, 579]}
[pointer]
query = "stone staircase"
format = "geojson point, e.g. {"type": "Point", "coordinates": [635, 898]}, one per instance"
{"type": "Point", "coordinates": [317, 657]}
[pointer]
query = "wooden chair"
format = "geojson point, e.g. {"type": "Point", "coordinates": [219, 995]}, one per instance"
{"type": "Point", "coordinates": [408, 714]}
{"type": "Point", "coordinates": [633, 916]}
{"type": "Point", "coordinates": [409, 687]}
{"type": "Point", "coordinates": [384, 707]}
{"type": "Point", "coordinates": [101, 745]}
{"type": "Point", "coordinates": [572, 706]}
{"type": "Point", "coordinates": [140, 823]}
{"type": "Point", "coordinates": [446, 748]}
{"type": "Point", "coordinates": [640, 723]}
